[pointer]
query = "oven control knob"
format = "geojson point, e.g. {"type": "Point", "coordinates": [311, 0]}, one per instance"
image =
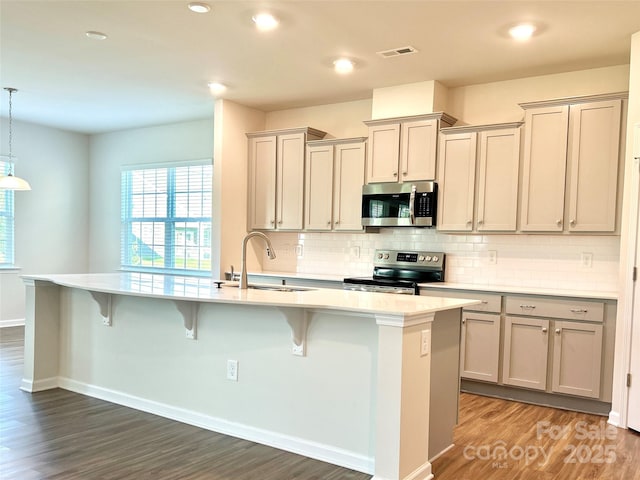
{"type": "Point", "coordinates": [386, 256]}
{"type": "Point", "coordinates": [435, 258]}
{"type": "Point", "coordinates": [379, 256]}
{"type": "Point", "coordinates": [428, 258]}
{"type": "Point", "coordinates": [421, 258]}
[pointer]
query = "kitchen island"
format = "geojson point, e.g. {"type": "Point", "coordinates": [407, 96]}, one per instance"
{"type": "Point", "coordinates": [341, 376]}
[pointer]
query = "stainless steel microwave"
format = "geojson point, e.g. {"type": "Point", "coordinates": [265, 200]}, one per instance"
{"type": "Point", "coordinates": [399, 204]}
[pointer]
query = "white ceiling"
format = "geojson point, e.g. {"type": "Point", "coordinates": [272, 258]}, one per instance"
{"type": "Point", "coordinates": [159, 56]}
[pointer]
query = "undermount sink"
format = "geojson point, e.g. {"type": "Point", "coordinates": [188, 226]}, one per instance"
{"type": "Point", "coordinates": [273, 288]}
{"type": "Point", "coordinates": [280, 288]}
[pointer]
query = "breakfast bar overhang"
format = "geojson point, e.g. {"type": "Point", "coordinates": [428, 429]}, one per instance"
{"type": "Point", "coordinates": [342, 376]}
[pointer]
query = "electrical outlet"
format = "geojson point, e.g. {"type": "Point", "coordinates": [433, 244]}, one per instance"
{"type": "Point", "coordinates": [493, 257]}
{"type": "Point", "coordinates": [355, 252]}
{"type": "Point", "coordinates": [586, 259]}
{"type": "Point", "coordinates": [232, 370]}
{"type": "Point", "coordinates": [299, 250]}
{"type": "Point", "coordinates": [425, 342]}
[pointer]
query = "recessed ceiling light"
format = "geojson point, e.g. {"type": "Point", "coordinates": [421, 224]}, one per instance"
{"type": "Point", "coordinates": [522, 31]}
{"type": "Point", "coordinates": [265, 21]}
{"type": "Point", "coordinates": [217, 88]}
{"type": "Point", "coordinates": [96, 35]}
{"type": "Point", "coordinates": [199, 7]}
{"type": "Point", "coordinates": [343, 66]}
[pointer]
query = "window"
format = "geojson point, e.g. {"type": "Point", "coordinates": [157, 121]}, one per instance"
{"type": "Point", "coordinates": [166, 218]}
{"type": "Point", "coordinates": [6, 221]}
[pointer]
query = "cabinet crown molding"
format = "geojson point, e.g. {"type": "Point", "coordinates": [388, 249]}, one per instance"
{"type": "Point", "coordinates": [442, 116]}
{"type": "Point", "coordinates": [574, 100]}
{"type": "Point", "coordinates": [285, 131]}
{"type": "Point", "coordinates": [336, 141]}
{"type": "Point", "coordinates": [478, 128]}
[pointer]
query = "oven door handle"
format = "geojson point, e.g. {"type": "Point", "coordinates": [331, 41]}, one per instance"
{"type": "Point", "coordinates": [412, 202]}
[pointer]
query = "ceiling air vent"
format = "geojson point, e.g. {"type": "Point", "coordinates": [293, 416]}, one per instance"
{"type": "Point", "coordinates": [394, 52]}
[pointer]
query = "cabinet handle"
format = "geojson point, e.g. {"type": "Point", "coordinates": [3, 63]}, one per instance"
{"type": "Point", "coordinates": [573, 222]}
{"type": "Point", "coordinates": [273, 222]}
{"type": "Point", "coordinates": [559, 223]}
{"type": "Point", "coordinates": [405, 173]}
{"type": "Point", "coordinates": [469, 222]}
{"type": "Point", "coordinates": [337, 222]}
{"type": "Point", "coordinates": [579, 310]}
{"type": "Point", "coordinates": [395, 174]}
{"type": "Point", "coordinates": [558, 331]}
{"type": "Point", "coordinates": [279, 222]}
{"type": "Point", "coordinates": [480, 222]}
{"type": "Point", "coordinates": [329, 222]}
{"type": "Point", "coordinates": [484, 302]}
{"type": "Point", "coordinates": [463, 321]}
{"type": "Point", "coordinates": [544, 329]}
{"type": "Point", "coordinates": [527, 307]}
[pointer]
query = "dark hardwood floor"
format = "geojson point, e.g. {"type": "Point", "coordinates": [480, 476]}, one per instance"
{"type": "Point", "coordinates": [62, 435]}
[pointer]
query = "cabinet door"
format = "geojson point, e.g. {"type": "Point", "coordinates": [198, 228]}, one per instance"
{"type": "Point", "coordinates": [544, 168]}
{"type": "Point", "coordinates": [418, 150]}
{"type": "Point", "coordinates": [318, 192]}
{"type": "Point", "coordinates": [526, 342]}
{"type": "Point", "coordinates": [384, 153]}
{"type": "Point", "coordinates": [594, 139]}
{"type": "Point", "coordinates": [577, 357]}
{"type": "Point", "coordinates": [456, 181]}
{"type": "Point", "coordinates": [262, 183]}
{"type": "Point", "coordinates": [480, 346]}
{"type": "Point", "coordinates": [498, 180]}
{"type": "Point", "coordinates": [290, 181]}
{"type": "Point", "coordinates": [347, 186]}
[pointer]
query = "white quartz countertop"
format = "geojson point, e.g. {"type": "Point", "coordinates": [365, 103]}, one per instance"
{"type": "Point", "coordinates": [554, 292]}
{"type": "Point", "coordinates": [175, 287]}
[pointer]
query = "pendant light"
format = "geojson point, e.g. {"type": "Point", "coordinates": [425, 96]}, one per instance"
{"type": "Point", "coordinates": [11, 182]}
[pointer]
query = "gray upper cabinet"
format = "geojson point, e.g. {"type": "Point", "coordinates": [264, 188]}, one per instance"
{"type": "Point", "coordinates": [404, 149]}
{"type": "Point", "coordinates": [478, 178]}
{"type": "Point", "coordinates": [571, 165]}
{"type": "Point", "coordinates": [276, 178]}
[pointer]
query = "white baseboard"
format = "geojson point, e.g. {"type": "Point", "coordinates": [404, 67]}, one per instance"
{"type": "Point", "coordinates": [423, 472]}
{"type": "Point", "coordinates": [12, 322]}
{"type": "Point", "coordinates": [39, 385]}
{"type": "Point", "coordinates": [318, 451]}
{"type": "Point", "coordinates": [614, 419]}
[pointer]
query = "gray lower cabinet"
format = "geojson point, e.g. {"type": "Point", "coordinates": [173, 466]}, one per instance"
{"type": "Point", "coordinates": [546, 346]}
{"type": "Point", "coordinates": [562, 343]}
{"type": "Point", "coordinates": [480, 346]}
{"type": "Point", "coordinates": [526, 346]}
{"type": "Point", "coordinates": [577, 358]}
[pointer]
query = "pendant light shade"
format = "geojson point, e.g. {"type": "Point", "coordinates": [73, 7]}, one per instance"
{"type": "Point", "coordinates": [10, 181]}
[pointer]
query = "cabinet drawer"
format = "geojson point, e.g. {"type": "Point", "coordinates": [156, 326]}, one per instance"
{"type": "Point", "coordinates": [491, 302]}
{"type": "Point", "coordinates": [586, 310]}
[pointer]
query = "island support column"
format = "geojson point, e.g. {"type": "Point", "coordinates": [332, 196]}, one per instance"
{"type": "Point", "coordinates": [41, 338]}
{"type": "Point", "coordinates": [402, 409]}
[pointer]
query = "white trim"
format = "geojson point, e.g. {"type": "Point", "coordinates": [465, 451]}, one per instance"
{"type": "Point", "coordinates": [39, 385]}
{"type": "Point", "coordinates": [403, 320]}
{"type": "Point", "coordinates": [614, 419]}
{"type": "Point", "coordinates": [169, 164]}
{"type": "Point", "coordinates": [12, 322]}
{"type": "Point", "coordinates": [438, 455]}
{"type": "Point", "coordinates": [423, 472]}
{"type": "Point", "coordinates": [318, 451]}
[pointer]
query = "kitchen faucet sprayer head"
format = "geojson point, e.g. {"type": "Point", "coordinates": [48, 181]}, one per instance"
{"type": "Point", "coordinates": [271, 253]}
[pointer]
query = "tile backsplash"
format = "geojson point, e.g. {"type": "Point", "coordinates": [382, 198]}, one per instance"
{"type": "Point", "coordinates": [552, 261]}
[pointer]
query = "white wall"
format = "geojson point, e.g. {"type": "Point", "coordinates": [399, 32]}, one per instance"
{"type": "Point", "coordinates": [51, 221]}
{"type": "Point", "coordinates": [497, 102]}
{"type": "Point", "coordinates": [109, 151]}
{"type": "Point", "coordinates": [627, 249]}
{"type": "Point", "coordinates": [229, 224]}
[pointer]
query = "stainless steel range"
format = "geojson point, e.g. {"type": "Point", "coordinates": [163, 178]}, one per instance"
{"type": "Point", "coordinates": [400, 271]}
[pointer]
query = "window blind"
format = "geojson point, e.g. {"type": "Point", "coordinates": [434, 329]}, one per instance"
{"type": "Point", "coordinates": [166, 218]}
{"type": "Point", "coordinates": [6, 221]}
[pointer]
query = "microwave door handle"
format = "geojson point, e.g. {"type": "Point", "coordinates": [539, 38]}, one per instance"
{"type": "Point", "coordinates": [412, 201]}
